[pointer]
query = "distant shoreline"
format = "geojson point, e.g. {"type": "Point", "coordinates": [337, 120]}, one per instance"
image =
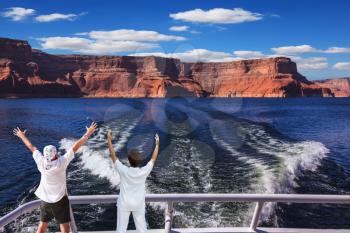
{"type": "Point", "coordinates": [176, 97]}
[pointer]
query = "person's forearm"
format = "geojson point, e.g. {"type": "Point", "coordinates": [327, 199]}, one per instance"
{"type": "Point", "coordinates": [89, 131]}
{"type": "Point", "coordinates": [79, 143]}
{"type": "Point", "coordinates": [111, 151]}
{"type": "Point", "coordinates": [28, 144]}
{"type": "Point", "coordinates": [155, 153]}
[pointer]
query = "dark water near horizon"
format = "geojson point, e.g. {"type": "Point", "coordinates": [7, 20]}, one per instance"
{"type": "Point", "coordinates": [207, 146]}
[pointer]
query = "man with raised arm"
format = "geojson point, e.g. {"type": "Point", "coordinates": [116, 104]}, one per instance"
{"type": "Point", "coordinates": [53, 188]}
{"type": "Point", "coordinates": [132, 187]}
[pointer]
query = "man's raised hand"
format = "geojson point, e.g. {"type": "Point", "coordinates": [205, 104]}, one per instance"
{"type": "Point", "coordinates": [91, 129]}
{"type": "Point", "coordinates": [22, 135]}
{"type": "Point", "coordinates": [17, 132]}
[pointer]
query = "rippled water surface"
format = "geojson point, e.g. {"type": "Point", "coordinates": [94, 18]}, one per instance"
{"type": "Point", "coordinates": [207, 146]}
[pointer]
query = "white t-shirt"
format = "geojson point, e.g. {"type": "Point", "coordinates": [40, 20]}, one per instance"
{"type": "Point", "coordinates": [132, 185]}
{"type": "Point", "coordinates": [53, 176]}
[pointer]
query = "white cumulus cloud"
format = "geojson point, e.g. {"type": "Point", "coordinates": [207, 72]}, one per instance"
{"type": "Point", "coordinates": [82, 45]}
{"type": "Point", "coordinates": [311, 63]}
{"type": "Point", "coordinates": [294, 49]}
{"type": "Point", "coordinates": [133, 35]}
{"type": "Point", "coordinates": [67, 43]}
{"type": "Point", "coordinates": [291, 50]}
{"type": "Point", "coordinates": [179, 28]}
{"type": "Point", "coordinates": [342, 66]}
{"type": "Point", "coordinates": [18, 13]}
{"type": "Point", "coordinates": [109, 42]}
{"type": "Point", "coordinates": [217, 16]}
{"type": "Point", "coordinates": [56, 17]}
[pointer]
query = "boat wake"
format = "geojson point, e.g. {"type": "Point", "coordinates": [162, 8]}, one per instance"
{"type": "Point", "coordinates": [201, 152]}
{"type": "Point", "coordinates": [276, 162]}
{"type": "Point", "coordinates": [236, 156]}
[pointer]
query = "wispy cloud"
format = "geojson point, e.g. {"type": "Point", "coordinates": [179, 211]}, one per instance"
{"type": "Point", "coordinates": [274, 15]}
{"type": "Point", "coordinates": [195, 32]}
{"type": "Point", "coordinates": [183, 29]}
{"type": "Point", "coordinates": [337, 50]}
{"type": "Point", "coordinates": [81, 34]}
{"type": "Point", "coordinates": [18, 13]}
{"type": "Point", "coordinates": [57, 16]}
{"type": "Point", "coordinates": [342, 66]}
{"type": "Point", "coordinates": [179, 28]}
{"type": "Point", "coordinates": [217, 16]}
{"type": "Point", "coordinates": [248, 54]}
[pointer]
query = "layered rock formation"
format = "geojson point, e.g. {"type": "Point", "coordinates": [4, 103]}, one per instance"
{"type": "Point", "coordinates": [26, 72]}
{"type": "Point", "coordinates": [340, 87]}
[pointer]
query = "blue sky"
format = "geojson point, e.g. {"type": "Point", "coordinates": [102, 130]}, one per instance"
{"type": "Point", "coordinates": [315, 34]}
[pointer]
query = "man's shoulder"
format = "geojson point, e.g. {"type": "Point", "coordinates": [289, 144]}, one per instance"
{"type": "Point", "coordinates": [37, 152]}
{"type": "Point", "coordinates": [120, 166]}
{"type": "Point", "coordinates": [148, 165]}
{"type": "Point", "coordinates": [145, 170]}
{"type": "Point", "coordinates": [37, 156]}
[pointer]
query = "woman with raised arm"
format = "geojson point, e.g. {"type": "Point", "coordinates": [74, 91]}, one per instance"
{"type": "Point", "coordinates": [53, 188]}
{"type": "Point", "coordinates": [132, 187]}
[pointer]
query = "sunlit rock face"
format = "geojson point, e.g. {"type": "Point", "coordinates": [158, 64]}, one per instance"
{"type": "Point", "coordinates": [340, 87]}
{"type": "Point", "coordinates": [26, 72]}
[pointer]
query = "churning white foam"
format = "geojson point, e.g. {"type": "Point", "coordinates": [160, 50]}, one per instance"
{"type": "Point", "coordinates": [294, 157]}
{"type": "Point", "coordinates": [290, 159]}
{"type": "Point", "coordinates": [94, 155]}
{"type": "Point", "coordinates": [96, 161]}
{"type": "Point", "coordinates": [297, 158]}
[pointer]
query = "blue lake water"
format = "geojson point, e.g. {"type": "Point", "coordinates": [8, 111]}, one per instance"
{"type": "Point", "coordinates": [207, 146]}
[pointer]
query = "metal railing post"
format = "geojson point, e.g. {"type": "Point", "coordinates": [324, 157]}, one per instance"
{"type": "Point", "coordinates": [256, 215]}
{"type": "Point", "coordinates": [168, 217]}
{"type": "Point", "coordinates": [260, 199]}
{"type": "Point", "coordinates": [73, 226]}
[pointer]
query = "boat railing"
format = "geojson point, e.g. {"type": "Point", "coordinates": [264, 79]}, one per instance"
{"type": "Point", "coordinates": [170, 199]}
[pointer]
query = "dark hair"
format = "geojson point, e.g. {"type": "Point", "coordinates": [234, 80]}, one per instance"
{"type": "Point", "coordinates": [134, 158]}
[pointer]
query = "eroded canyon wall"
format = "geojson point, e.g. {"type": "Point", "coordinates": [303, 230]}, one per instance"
{"type": "Point", "coordinates": [340, 87]}
{"type": "Point", "coordinates": [26, 72]}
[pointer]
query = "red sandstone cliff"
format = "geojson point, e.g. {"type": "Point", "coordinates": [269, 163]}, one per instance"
{"type": "Point", "coordinates": [339, 86]}
{"type": "Point", "coordinates": [29, 72]}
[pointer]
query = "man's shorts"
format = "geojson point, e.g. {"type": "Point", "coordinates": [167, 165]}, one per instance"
{"type": "Point", "coordinates": [59, 210]}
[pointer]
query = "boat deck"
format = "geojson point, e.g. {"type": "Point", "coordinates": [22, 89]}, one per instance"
{"type": "Point", "coordinates": [170, 199]}
{"type": "Point", "coordinates": [235, 230]}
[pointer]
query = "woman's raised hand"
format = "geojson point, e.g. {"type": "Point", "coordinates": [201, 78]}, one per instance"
{"type": "Point", "coordinates": [156, 138]}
